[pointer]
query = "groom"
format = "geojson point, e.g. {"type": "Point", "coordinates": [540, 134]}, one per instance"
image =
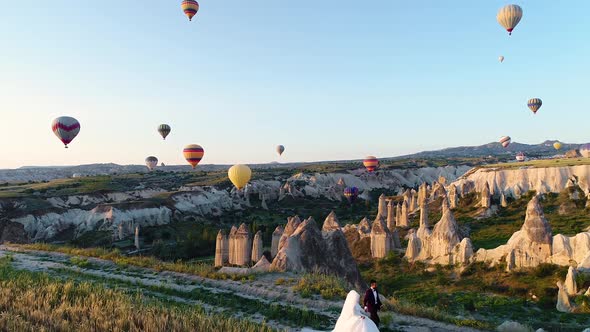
{"type": "Point", "coordinates": [372, 302]}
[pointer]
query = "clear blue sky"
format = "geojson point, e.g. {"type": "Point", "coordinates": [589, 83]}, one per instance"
{"type": "Point", "coordinates": [328, 79]}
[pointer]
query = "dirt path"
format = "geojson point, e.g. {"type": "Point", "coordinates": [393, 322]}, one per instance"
{"type": "Point", "coordinates": [161, 284]}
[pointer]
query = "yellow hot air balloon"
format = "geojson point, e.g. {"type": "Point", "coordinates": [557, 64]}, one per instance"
{"type": "Point", "coordinates": [557, 145]}
{"type": "Point", "coordinates": [239, 175]}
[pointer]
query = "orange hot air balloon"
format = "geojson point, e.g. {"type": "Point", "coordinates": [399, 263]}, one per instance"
{"type": "Point", "coordinates": [193, 153]}
{"type": "Point", "coordinates": [190, 8]}
{"type": "Point", "coordinates": [371, 163]}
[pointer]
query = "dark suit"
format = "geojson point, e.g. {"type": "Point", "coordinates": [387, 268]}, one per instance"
{"type": "Point", "coordinates": [372, 307]}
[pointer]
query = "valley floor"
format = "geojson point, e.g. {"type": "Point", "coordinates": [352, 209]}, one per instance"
{"type": "Point", "coordinates": [260, 300]}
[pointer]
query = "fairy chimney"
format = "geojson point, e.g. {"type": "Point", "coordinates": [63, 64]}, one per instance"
{"type": "Point", "coordinates": [390, 216]}
{"type": "Point", "coordinates": [453, 197]}
{"type": "Point", "coordinates": [257, 247]}
{"type": "Point", "coordinates": [403, 220]}
{"type": "Point", "coordinates": [382, 208]}
{"type": "Point", "coordinates": [136, 238]}
{"type": "Point", "coordinates": [486, 199]}
{"type": "Point", "coordinates": [221, 249]}
{"type": "Point", "coordinates": [232, 245]}
{"type": "Point", "coordinates": [276, 237]}
{"type": "Point", "coordinates": [242, 246]}
{"type": "Point", "coordinates": [380, 239]}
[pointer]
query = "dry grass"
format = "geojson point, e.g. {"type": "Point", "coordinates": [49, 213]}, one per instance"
{"type": "Point", "coordinates": [32, 301]}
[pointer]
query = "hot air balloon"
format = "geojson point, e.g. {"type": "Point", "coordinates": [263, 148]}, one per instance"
{"type": "Point", "coordinates": [557, 145]}
{"type": "Point", "coordinates": [280, 149]}
{"type": "Point", "coordinates": [520, 157]}
{"type": "Point", "coordinates": [371, 163]}
{"type": "Point", "coordinates": [193, 153]}
{"type": "Point", "coordinates": [509, 16]}
{"type": "Point", "coordinates": [151, 162]}
{"type": "Point", "coordinates": [585, 150]}
{"type": "Point", "coordinates": [534, 104]}
{"type": "Point", "coordinates": [351, 194]}
{"type": "Point", "coordinates": [190, 8]}
{"type": "Point", "coordinates": [501, 58]}
{"type": "Point", "coordinates": [164, 130]}
{"type": "Point", "coordinates": [505, 141]}
{"type": "Point", "coordinates": [239, 175]}
{"type": "Point", "coordinates": [66, 129]}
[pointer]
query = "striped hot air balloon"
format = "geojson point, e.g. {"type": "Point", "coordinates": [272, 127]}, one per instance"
{"type": "Point", "coordinates": [66, 129]}
{"type": "Point", "coordinates": [534, 104]}
{"type": "Point", "coordinates": [351, 194]}
{"type": "Point", "coordinates": [151, 162]}
{"type": "Point", "coordinates": [509, 16]}
{"type": "Point", "coordinates": [193, 153]}
{"type": "Point", "coordinates": [505, 141]}
{"type": "Point", "coordinates": [164, 130]}
{"type": "Point", "coordinates": [280, 149]}
{"type": "Point", "coordinates": [371, 163]}
{"type": "Point", "coordinates": [239, 175]}
{"type": "Point", "coordinates": [190, 8]}
{"type": "Point", "coordinates": [520, 157]}
{"type": "Point", "coordinates": [585, 150]}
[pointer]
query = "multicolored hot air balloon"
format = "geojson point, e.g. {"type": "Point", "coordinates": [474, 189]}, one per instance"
{"type": "Point", "coordinates": [151, 162]}
{"type": "Point", "coordinates": [585, 150]}
{"type": "Point", "coordinates": [509, 16]}
{"type": "Point", "coordinates": [280, 149]}
{"type": "Point", "coordinates": [239, 175]}
{"type": "Point", "coordinates": [501, 58]}
{"type": "Point", "coordinates": [66, 129]}
{"type": "Point", "coordinates": [520, 157]}
{"type": "Point", "coordinates": [534, 104]}
{"type": "Point", "coordinates": [190, 8]}
{"type": "Point", "coordinates": [371, 163]}
{"type": "Point", "coordinates": [505, 141]}
{"type": "Point", "coordinates": [164, 130]}
{"type": "Point", "coordinates": [351, 194]}
{"type": "Point", "coordinates": [557, 146]}
{"type": "Point", "coordinates": [193, 153]}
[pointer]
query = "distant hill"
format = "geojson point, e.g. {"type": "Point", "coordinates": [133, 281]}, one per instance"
{"type": "Point", "coordinates": [544, 149]}
{"type": "Point", "coordinates": [494, 149]}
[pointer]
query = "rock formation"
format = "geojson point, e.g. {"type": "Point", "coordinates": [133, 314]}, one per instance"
{"type": "Point", "coordinates": [221, 249]}
{"type": "Point", "coordinates": [382, 207]}
{"type": "Point", "coordinates": [364, 228]}
{"type": "Point", "coordinates": [263, 265]}
{"type": "Point", "coordinates": [486, 197]}
{"type": "Point", "coordinates": [398, 213]}
{"type": "Point", "coordinates": [242, 246]}
{"type": "Point", "coordinates": [570, 282]}
{"type": "Point", "coordinates": [445, 236]}
{"type": "Point", "coordinates": [403, 221]}
{"type": "Point", "coordinates": [413, 200]}
{"type": "Point", "coordinates": [381, 241]}
{"type": "Point", "coordinates": [413, 250]}
{"type": "Point", "coordinates": [331, 223]}
{"type": "Point", "coordinates": [503, 202]}
{"type": "Point", "coordinates": [453, 197]}
{"type": "Point", "coordinates": [120, 232]}
{"type": "Point", "coordinates": [424, 230]}
{"type": "Point", "coordinates": [563, 300]}
{"type": "Point", "coordinates": [276, 238]}
{"type": "Point", "coordinates": [231, 245]}
{"type": "Point", "coordinates": [309, 249]}
{"type": "Point", "coordinates": [136, 238]}
{"type": "Point", "coordinates": [528, 247]}
{"type": "Point", "coordinates": [438, 190]}
{"type": "Point", "coordinates": [257, 247]}
{"type": "Point", "coordinates": [292, 224]}
{"type": "Point", "coordinates": [390, 216]}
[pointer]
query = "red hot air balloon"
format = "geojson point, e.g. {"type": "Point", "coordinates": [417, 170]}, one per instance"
{"type": "Point", "coordinates": [66, 129]}
{"type": "Point", "coordinates": [371, 163]}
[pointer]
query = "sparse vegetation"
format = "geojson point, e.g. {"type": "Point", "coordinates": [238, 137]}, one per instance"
{"type": "Point", "coordinates": [33, 301]}
{"type": "Point", "coordinates": [327, 286]}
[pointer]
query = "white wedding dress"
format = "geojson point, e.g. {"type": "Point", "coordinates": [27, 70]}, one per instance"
{"type": "Point", "coordinates": [352, 317]}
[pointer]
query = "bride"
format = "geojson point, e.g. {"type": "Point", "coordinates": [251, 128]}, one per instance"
{"type": "Point", "coordinates": [352, 318]}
